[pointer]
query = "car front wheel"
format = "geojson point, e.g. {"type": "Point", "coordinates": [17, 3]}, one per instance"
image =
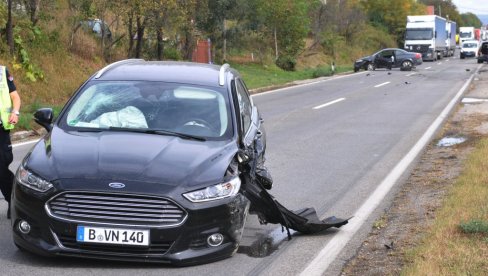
{"type": "Point", "coordinates": [407, 65]}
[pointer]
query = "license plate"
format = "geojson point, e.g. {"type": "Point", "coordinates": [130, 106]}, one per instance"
{"type": "Point", "coordinates": [112, 235]}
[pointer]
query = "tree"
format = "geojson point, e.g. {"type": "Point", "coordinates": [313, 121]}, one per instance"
{"type": "Point", "coordinates": [470, 19]}
{"type": "Point", "coordinates": [33, 7]}
{"type": "Point", "coordinates": [287, 23]}
{"type": "Point", "coordinates": [10, 29]}
{"type": "Point", "coordinates": [444, 8]}
{"type": "Point", "coordinates": [391, 14]}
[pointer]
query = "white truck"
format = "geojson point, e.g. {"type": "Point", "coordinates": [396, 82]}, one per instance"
{"type": "Point", "coordinates": [466, 33]}
{"type": "Point", "coordinates": [426, 34]}
{"type": "Point", "coordinates": [451, 37]}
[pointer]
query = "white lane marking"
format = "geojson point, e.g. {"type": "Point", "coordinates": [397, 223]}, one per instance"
{"type": "Point", "coordinates": [381, 84]}
{"type": "Point", "coordinates": [439, 63]}
{"type": "Point", "coordinates": [24, 143]}
{"type": "Point", "coordinates": [411, 74]}
{"type": "Point", "coordinates": [310, 83]}
{"type": "Point", "coordinates": [428, 68]}
{"type": "Point", "coordinates": [447, 60]}
{"type": "Point", "coordinates": [329, 103]}
{"type": "Point", "coordinates": [328, 254]}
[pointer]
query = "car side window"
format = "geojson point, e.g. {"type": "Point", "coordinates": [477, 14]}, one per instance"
{"type": "Point", "coordinates": [245, 106]}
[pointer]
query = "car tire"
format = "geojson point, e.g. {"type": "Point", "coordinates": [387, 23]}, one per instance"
{"type": "Point", "coordinates": [356, 69]}
{"type": "Point", "coordinates": [480, 61]}
{"type": "Point", "coordinates": [370, 67]}
{"type": "Point", "coordinates": [406, 65]}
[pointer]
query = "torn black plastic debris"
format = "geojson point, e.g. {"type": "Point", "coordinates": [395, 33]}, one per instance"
{"type": "Point", "coordinates": [269, 210]}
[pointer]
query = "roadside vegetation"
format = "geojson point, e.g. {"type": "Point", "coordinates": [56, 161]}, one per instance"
{"type": "Point", "coordinates": [457, 242]}
{"type": "Point", "coordinates": [50, 48]}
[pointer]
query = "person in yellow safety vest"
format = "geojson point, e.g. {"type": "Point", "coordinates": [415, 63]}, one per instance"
{"type": "Point", "coordinates": [9, 115]}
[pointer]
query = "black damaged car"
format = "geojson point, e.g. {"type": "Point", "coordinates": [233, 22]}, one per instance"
{"type": "Point", "coordinates": [141, 165]}
{"type": "Point", "coordinates": [389, 58]}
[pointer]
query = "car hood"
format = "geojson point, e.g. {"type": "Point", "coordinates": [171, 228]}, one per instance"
{"type": "Point", "coordinates": [366, 58]}
{"type": "Point", "coordinates": [120, 156]}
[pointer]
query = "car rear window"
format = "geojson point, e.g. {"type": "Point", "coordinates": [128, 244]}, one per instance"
{"type": "Point", "coordinates": [182, 108]}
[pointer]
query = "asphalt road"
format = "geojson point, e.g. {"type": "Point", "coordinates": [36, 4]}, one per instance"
{"type": "Point", "coordinates": [330, 144]}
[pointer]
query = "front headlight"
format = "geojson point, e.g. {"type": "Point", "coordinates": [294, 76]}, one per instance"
{"type": "Point", "coordinates": [215, 192]}
{"type": "Point", "coordinates": [32, 181]}
{"type": "Point", "coordinates": [359, 60]}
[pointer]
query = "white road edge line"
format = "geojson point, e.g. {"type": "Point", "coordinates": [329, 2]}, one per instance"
{"type": "Point", "coordinates": [428, 68]}
{"type": "Point", "coordinates": [381, 84]}
{"type": "Point", "coordinates": [329, 103]}
{"type": "Point", "coordinates": [328, 254]}
{"type": "Point", "coordinates": [24, 143]}
{"type": "Point", "coordinates": [305, 84]}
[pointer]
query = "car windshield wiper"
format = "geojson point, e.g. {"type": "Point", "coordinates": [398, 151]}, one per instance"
{"type": "Point", "coordinates": [159, 132]}
{"type": "Point", "coordinates": [89, 130]}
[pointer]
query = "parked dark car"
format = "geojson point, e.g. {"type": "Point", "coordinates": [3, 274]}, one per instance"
{"type": "Point", "coordinates": [389, 58]}
{"type": "Point", "coordinates": [141, 165]}
{"type": "Point", "coordinates": [483, 52]}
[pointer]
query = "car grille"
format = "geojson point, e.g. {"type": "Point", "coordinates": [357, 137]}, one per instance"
{"type": "Point", "coordinates": [155, 248]}
{"type": "Point", "coordinates": [125, 209]}
{"type": "Point", "coordinates": [418, 48]}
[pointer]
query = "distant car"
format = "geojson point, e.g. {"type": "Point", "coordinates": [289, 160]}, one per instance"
{"type": "Point", "coordinates": [483, 52]}
{"type": "Point", "coordinates": [469, 48]}
{"type": "Point", "coordinates": [389, 58]}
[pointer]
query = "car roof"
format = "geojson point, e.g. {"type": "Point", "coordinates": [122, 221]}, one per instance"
{"type": "Point", "coordinates": [167, 71]}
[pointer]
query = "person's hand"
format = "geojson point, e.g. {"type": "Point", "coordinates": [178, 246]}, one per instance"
{"type": "Point", "coordinates": [13, 119]}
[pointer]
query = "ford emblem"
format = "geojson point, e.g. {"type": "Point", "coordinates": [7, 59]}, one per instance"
{"type": "Point", "coordinates": [116, 185]}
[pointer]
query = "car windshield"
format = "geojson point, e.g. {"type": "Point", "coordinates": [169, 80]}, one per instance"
{"type": "Point", "coordinates": [470, 45]}
{"type": "Point", "coordinates": [135, 105]}
{"type": "Point", "coordinates": [465, 34]}
{"type": "Point", "coordinates": [418, 34]}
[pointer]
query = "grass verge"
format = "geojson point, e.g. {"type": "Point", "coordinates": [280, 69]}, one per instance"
{"type": "Point", "coordinates": [457, 242]}
{"type": "Point", "coordinates": [257, 76]}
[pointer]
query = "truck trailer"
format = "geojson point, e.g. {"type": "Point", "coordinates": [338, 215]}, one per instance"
{"type": "Point", "coordinates": [451, 28]}
{"type": "Point", "coordinates": [426, 34]}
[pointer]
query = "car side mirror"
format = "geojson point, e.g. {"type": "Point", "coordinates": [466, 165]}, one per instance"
{"type": "Point", "coordinates": [44, 117]}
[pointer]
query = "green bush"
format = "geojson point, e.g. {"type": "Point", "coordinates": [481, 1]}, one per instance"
{"type": "Point", "coordinates": [171, 54]}
{"type": "Point", "coordinates": [474, 227]}
{"type": "Point", "coordinates": [322, 72]}
{"type": "Point", "coordinates": [286, 63]}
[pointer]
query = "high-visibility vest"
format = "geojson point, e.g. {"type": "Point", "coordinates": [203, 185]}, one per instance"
{"type": "Point", "coordinates": [5, 100]}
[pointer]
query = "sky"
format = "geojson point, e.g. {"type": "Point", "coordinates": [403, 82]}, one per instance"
{"type": "Point", "coordinates": [474, 6]}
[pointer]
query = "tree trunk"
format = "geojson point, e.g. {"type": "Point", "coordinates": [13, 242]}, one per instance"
{"type": "Point", "coordinates": [140, 34]}
{"type": "Point", "coordinates": [34, 11]}
{"type": "Point", "coordinates": [73, 33]}
{"type": "Point", "coordinates": [131, 35]}
{"type": "Point", "coordinates": [159, 34]}
{"type": "Point", "coordinates": [188, 44]}
{"type": "Point", "coordinates": [276, 44]}
{"type": "Point", "coordinates": [224, 34]}
{"type": "Point", "coordinates": [10, 30]}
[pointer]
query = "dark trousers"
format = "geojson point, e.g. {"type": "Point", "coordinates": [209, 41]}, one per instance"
{"type": "Point", "coordinates": [6, 157]}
